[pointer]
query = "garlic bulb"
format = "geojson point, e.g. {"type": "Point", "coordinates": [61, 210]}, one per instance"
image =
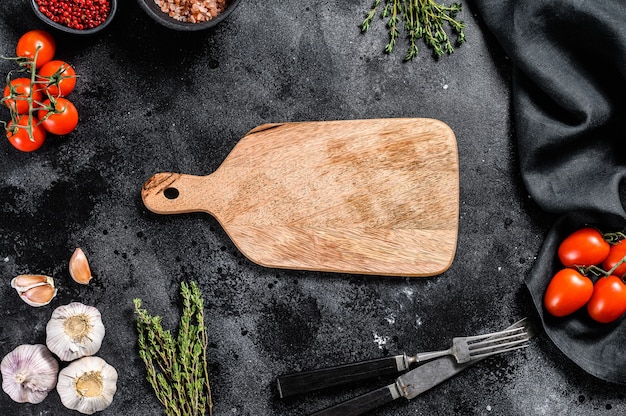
{"type": "Point", "coordinates": [29, 372]}
{"type": "Point", "coordinates": [35, 289]}
{"type": "Point", "coordinates": [74, 331]}
{"type": "Point", "coordinates": [79, 267]}
{"type": "Point", "coordinates": [87, 385]}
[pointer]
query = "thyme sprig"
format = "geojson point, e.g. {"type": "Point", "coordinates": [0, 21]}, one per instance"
{"type": "Point", "coordinates": [177, 366]}
{"type": "Point", "coordinates": [423, 19]}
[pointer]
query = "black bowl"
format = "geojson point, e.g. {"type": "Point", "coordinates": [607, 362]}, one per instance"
{"type": "Point", "coordinates": [66, 29]}
{"type": "Point", "coordinates": [154, 11]}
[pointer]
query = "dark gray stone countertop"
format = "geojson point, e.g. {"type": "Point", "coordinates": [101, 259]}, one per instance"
{"type": "Point", "coordinates": [153, 100]}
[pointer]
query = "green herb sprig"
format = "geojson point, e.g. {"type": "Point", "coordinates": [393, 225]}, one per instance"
{"type": "Point", "coordinates": [423, 19]}
{"type": "Point", "coordinates": [177, 367]}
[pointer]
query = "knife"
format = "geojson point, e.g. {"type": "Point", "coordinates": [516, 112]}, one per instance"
{"type": "Point", "coordinates": [410, 384]}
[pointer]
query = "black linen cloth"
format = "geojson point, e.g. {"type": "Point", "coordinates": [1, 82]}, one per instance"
{"type": "Point", "coordinates": [569, 79]}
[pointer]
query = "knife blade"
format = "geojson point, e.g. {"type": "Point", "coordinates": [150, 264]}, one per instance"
{"type": "Point", "coordinates": [411, 384]}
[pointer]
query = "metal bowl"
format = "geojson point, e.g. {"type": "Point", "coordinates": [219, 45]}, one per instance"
{"type": "Point", "coordinates": [67, 29]}
{"type": "Point", "coordinates": [154, 11]}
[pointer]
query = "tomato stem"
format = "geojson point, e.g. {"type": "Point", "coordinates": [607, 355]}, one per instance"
{"type": "Point", "coordinates": [614, 238]}
{"type": "Point", "coordinates": [594, 270]}
{"type": "Point", "coordinates": [33, 71]}
{"type": "Point", "coordinates": [55, 79]}
{"type": "Point", "coordinates": [619, 263]}
{"type": "Point", "coordinates": [598, 271]}
{"type": "Point", "coordinates": [29, 65]}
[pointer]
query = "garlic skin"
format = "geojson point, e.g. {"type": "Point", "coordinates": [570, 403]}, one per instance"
{"type": "Point", "coordinates": [74, 331]}
{"type": "Point", "coordinates": [79, 267]}
{"type": "Point", "coordinates": [35, 289]}
{"type": "Point", "coordinates": [87, 385]}
{"type": "Point", "coordinates": [29, 372]}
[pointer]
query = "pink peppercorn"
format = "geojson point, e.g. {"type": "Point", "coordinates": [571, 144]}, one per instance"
{"type": "Point", "coordinates": [76, 14]}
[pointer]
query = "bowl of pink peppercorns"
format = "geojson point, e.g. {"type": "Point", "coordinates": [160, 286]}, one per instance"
{"type": "Point", "coordinates": [80, 17]}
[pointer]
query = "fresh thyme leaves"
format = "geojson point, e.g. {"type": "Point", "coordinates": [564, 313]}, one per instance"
{"type": "Point", "coordinates": [423, 19]}
{"type": "Point", "coordinates": [177, 367]}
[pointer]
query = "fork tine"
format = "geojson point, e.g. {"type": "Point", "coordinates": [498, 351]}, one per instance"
{"type": "Point", "coordinates": [494, 342]}
{"type": "Point", "coordinates": [487, 354]}
{"type": "Point", "coordinates": [497, 335]}
{"type": "Point", "coordinates": [495, 348]}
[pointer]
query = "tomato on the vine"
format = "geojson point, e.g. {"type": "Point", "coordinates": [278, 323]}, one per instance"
{"type": "Point", "coordinates": [608, 301]}
{"type": "Point", "coordinates": [61, 119]}
{"type": "Point", "coordinates": [568, 291]}
{"type": "Point", "coordinates": [30, 41]}
{"type": "Point", "coordinates": [584, 247]}
{"type": "Point", "coordinates": [58, 77]}
{"type": "Point", "coordinates": [616, 254]}
{"type": "Point", "coordinates": [20, 139]}
{"type": "Point", "coordinates": [16, 95]}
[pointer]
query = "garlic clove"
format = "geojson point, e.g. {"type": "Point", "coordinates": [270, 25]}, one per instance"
{"type": "Point", "coordinates": [87, 385]}
{"type": "Point", "coordinates": [79, 267]}
{"type": "Point", "coordinates": [39, 295]}
{"type": "Point", "coordinates": [29, 372]}
{"type": "Point", "coordinates": [34, 289]}
{"type": "Point", "coordinates": [26, 281]}
{"type": "Point", "coordinates": [74, 331]}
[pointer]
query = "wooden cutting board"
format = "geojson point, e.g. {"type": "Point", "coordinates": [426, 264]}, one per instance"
{"type": "Point", "coordinates": [374, 196]}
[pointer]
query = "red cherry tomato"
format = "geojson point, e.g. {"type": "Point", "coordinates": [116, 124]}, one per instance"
{"type": "Point", "coordinates": [567, 292]}
{"type": "Point", "coordinates": [62, 120]}
{"type": "Point", "coordinates": [33, 40]}
{"type": "Point", "coordinates": [58, 77]}
{"type": "Point", "coordinates": [19, 138]}
{"type": "Point", "coordinates": [585, 247]}
{"type": "Point", "coordinates": [16, 95]}
{"type": "Point", "coordinates": [608, 301]}
{"type": "Point", "coordinates": [617, 253]}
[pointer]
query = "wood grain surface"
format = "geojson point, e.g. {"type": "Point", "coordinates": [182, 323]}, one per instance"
{"type": "Point", "coordinates": [377, 196]}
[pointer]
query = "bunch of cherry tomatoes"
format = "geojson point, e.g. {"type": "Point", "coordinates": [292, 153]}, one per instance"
{"type": "Point", "coordinates": [35, 94]}
{"type": "Point", "coordinates": [589, 255]}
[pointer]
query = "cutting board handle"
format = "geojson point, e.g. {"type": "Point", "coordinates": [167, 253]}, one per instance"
{"type": "Point", "coordinates": [177, 193]}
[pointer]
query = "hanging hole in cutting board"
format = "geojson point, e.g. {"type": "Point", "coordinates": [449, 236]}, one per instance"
{"type": "Point", "coordinates": [171, 193]}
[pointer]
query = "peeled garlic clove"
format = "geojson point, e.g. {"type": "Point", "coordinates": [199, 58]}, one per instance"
{"type": "Point", "coordinates": [34, 289]}
{"type": "Point", "coordinates": [87, 385]}
{"type": "Point", "coordinates": [74, 331]}
{"type": "Point", "coordinates": [79, 267]}
{"type": "Point", "coordinates": [29, 372]}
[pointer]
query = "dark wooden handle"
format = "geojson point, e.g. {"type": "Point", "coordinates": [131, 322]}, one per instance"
{"type": "Point", "coordinates": [306, 381]}
{"type": "Point", "coordinates": [360, 404]}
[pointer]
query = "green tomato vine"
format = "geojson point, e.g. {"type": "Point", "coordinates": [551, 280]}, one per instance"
{"type": "Point", "coordinates": [27, 68]}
